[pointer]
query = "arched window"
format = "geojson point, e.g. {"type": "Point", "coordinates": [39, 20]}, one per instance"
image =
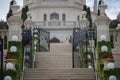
{"type": "Point", "coordinates": [45, 17]}
{"type": "Point", "coordinates": [54, 16]}
{"type": "Point", "coordinates": [78, 18]}
{"type": "Point", "coordinates": [63, 17]}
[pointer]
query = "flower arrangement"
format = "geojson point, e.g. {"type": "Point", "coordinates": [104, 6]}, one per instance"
{"type": "Point", "coordinates": [10, 56]}
{"type": "Point", "coordinates": [105, 54]}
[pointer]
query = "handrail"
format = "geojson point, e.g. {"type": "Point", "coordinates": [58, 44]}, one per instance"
{"type": "Point", "coordinates": [34, 59]}
{"type": "Point", "coordinates": [23, 65]}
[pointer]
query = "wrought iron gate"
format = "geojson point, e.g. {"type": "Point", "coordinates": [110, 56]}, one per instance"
{"type": "Point", "coordinates": [81, 35]}
{"type": "Point", "coordinates": [27, 56]}
{"type": "Point", "coordinates": [43, 38]}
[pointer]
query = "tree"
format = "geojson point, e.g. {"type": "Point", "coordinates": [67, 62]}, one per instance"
{"type": "Point", "coordinates": [24, 13]}
{"type": "Point", "coordinates": [3, 25]}
{"type": "Point", "coordinates": [5, 42]}
{"type": "Point", "coordinates": [10, 11]}
{"type": "Point", "coordinates": [89, 17]}
{"type": "Point", "coordinates": [9, 14]}
{"type": "Point", "coordinates": [114, 24]}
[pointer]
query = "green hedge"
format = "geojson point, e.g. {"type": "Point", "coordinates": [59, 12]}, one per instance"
{"type": "Point", "coordinates": [11, 73]}
{"type": "Point", "coordinates": [15, 43]}
{"type": "Point", "coordinates": [15, 74]}
{"type": "Point", "coordinates": [115, 72]}
{"type": "Point", "coordinates": [91, 59]}
{"type": "Point", "coordinates": [83, 55]}
{"type": "Point", "coordinates": [104, 74]}
{"type": "Point", "coordinates": [100, 44]}
{"type": "Point", "coordinates": [30, 60]}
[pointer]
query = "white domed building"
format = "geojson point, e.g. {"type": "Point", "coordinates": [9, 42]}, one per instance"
{"type": "Point", "coordinates": [58, 17]}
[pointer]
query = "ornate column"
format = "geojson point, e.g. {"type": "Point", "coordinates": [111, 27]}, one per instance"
{"type": "Point", "coordinates": [14, 23]}
{"type": "Point", "coordinates": [102, 23]}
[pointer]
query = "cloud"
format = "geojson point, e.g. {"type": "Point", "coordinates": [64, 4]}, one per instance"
{"type": "Point", "coordinates": [4, 7]}
{"type": "Point", "coordinates": [90, 3]}
{"type": "Point", "coordinates": [113, 8]}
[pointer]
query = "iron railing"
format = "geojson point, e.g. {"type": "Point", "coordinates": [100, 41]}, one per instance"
{"type": "Point", "coordinates": [26, 40]}
{"type": "Point", "coordinates": [83, 35]}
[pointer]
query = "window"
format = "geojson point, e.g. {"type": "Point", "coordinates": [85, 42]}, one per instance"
{"type": "Point", "coordinates": [54, 16]}
{"type": "Point", "coordinates": [45, 17]}
{"type": "Point", "coordinates": [78, 18]}
{"type": "Point", "coordinates": [63, 17]}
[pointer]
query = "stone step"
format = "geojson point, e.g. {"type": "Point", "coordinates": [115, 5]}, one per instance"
{"type": "Point", "coordinates": [59, 74]}
{"type": "Point", "coordinates": [41, 70]}
{"type": "Point", "coordinates": [60, 47]}
{"type": "Point", "coordinates": [54, 61]}
{"type": "Point", "coordinates": [53, 53]}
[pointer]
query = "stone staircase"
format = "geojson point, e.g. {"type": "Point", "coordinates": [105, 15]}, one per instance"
{"type": "Point", "coordinates": [59, 74]}
{"type": "Point", "coordinates": [57, 65]}
{"type": "Point", "coordinates": [60, 56]}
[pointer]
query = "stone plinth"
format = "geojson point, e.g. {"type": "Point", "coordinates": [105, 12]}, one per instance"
{"type": "Point", "coordinates": [106, 61]}
{"type": "Point", "coordinates": [13, 61]}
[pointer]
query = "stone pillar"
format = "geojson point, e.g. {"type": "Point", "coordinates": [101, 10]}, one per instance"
{"type": "Point", "coordinates": [14, 23]}
{"type": "Point", "coordinates": [95, 7]}
{"type": "Point", "coordinates": [84, 22]}
{"type": "Point", "coordinates": [102, 23]}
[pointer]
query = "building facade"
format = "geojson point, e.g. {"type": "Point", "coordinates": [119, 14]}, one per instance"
{"type": "Point", "coordinates": [59, 17]}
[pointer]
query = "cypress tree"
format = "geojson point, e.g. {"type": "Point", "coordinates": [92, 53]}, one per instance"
{"type": "Point", "coordinates": [24, 13]}
{"type": "Point", "coordinates": [9, 14]}
{"type": "Point", "coordinates": [89, 17]}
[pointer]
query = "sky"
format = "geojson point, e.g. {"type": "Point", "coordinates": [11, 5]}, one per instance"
{"type": "Point", "coordinates": [112, 10]}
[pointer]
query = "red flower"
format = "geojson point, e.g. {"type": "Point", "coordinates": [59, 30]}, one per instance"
{"type": "Point", "coordinates": [111, 54]}
{"type": "Point", "coordinates": [106, 55]}
{"type": "Point", "coordinates": [14, 57]}
{"type": "Point", "coordinates": [9, 55]}
{"type": "Point", "coordinates": [5, 56]}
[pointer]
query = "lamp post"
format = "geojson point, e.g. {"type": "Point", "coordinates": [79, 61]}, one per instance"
{"type": "Point", "coordinates": [111, 65]}
{"type": "Point", "coordinates": [1, 59]}
{"type": "Point", "coordinates": [112, 77]}
{"type": "Point", "coordinates": [7, 78]}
